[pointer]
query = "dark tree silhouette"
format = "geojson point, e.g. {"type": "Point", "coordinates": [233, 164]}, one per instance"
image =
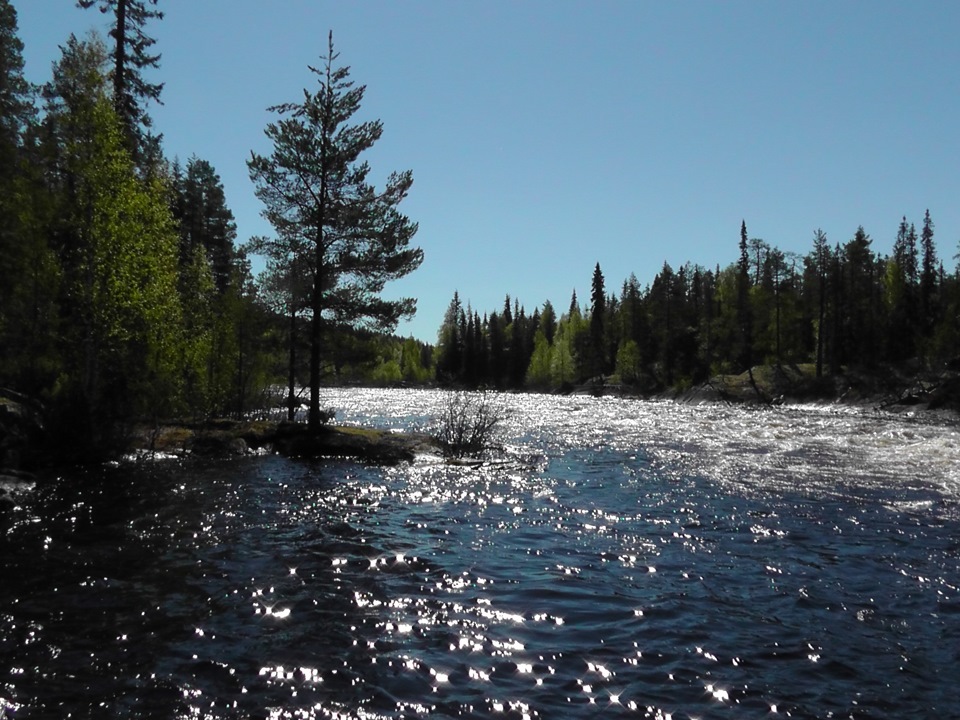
{"type": "Point", "coordinates": [131, 56]}
{"type": "Point", "coordinates": [315, 186]}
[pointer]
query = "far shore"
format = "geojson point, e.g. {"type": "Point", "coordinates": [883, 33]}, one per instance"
{"type": "Point", "coordinates": [24, 441]}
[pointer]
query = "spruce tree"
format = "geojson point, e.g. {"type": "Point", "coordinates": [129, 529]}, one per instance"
{"type": "Point", "coordinates": [449, 343]}
{"type": "Point", "coordinates": [548, 321]}
{"type": "Point", "coordinates": [744, 316]}
{"type": "Point", "coordinates": [598, 299]}
{"type": "Point", "coordinates": [205, 220]}
{"type": "Point", "coordinates": [21, 251]}
{"type": "Point", "coordinates": [16, 96]}
{"type": "Point", "coordinates": [820, 260]}
{"type": "Point", "coordinates": [130, 57]}
{"type": "Point", "coordinates": [928, 274]}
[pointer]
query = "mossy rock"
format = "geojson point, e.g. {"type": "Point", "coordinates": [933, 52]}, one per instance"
{"type": "Point", "coordinates": [369, 445]}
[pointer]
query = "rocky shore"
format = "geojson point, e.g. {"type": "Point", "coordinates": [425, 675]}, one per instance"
{"type": "Point", "coordinates": [25, 442]}
{"type": "Point", "coordinates": [225, 438]}
{"type": "Point", "coordinates": [798, 384]}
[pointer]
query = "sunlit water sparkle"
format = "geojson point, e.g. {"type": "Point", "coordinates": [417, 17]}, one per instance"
{"type": "Point", "coordinates": [617, 559]}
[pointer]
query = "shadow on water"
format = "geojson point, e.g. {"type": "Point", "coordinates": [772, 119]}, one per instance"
{"type": "Point", "coordinates": [215, 589]}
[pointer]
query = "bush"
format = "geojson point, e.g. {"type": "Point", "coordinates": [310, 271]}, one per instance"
{"type": "Point", "coordinates": [468, 423]}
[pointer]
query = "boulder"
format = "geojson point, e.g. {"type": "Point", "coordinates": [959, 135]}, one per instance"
{"type": "Point", "coordinates": [217, 443]}
{"type": "Point", "coordinates": [374, 446]}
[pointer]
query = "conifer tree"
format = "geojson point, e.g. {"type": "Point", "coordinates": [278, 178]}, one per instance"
{"type": "Point", "coordinates": [820, 260]}
{"type": "Point", "coordinates": [131, 56]}
{"type": "Point", "coordinates": [744, 316]}
{"type": "Point", "coordinates": [16, 96]}
{"type": "Point", "coordinates": [205, 220]}
{"type": "Point", "coordinates": [548, 321]}
{"type": "Point", "coordinates": [857, 313]}
{"type": "Point", "coordinates": [449, 343]}
{"type": "Point", "coordinates": [598, 301]}
{"type": "Point", "coordinates": [497, 348]}
{"type": "Point", "coordinates": [315, 186]}
{"type": "Point", "coordinates": [928, 273]}
{"type": "Point", "coordinates": [24, 254]}
{"type": "Point", "coordinates": [902, 292]}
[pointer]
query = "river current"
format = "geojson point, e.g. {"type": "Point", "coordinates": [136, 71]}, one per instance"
{"type": "Point", "coordinates": [617, 558]}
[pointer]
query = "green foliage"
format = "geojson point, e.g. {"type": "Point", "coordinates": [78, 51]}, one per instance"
{"type": "Point", "coordinates": [595, 362]}
{"type": "Point", "coordinates": [629, 369]}
{"type": "Point", "coordinates": [837, 307]}
{"type": "Point", "coordinates": [122, 295]}
{"type": "Point", "coordinates": [411, 362]}
{"type": "Point", "coordinates": [388, 373]}
{"type": "Point", "coordinates": [122, 311]}
{"type": "Point", "coordinates": [563, 367]}
{"type": "Point", "coordinates": [538, 374]}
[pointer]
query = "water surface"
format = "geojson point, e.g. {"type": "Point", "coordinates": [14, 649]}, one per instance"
{"type": "Point", "coordinates": [619, 559]}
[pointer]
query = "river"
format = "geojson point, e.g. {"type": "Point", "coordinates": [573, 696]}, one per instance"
{"type": "Point", "coordinates": [619, 559]}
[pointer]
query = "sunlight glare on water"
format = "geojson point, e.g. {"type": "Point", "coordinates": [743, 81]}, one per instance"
{"type": "Point", "coordinates": [614, 558]}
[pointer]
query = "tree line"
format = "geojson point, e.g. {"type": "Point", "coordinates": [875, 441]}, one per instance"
{"type": "Point", "coordinates": [840, 306]}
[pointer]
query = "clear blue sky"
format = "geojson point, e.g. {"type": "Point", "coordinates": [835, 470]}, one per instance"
{"type": "Point", "coordinates": [548, 135]}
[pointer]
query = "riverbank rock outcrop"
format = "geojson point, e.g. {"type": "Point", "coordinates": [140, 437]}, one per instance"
{"type": "Point", "coordinates": [228, 438]}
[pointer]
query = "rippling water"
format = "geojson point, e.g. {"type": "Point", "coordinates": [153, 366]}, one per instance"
{"type": "Point", "coordinates": [619, 559]}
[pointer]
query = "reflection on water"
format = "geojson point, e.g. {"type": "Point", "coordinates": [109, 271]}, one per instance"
{"type": "Point", "coordinates": [623, 559]}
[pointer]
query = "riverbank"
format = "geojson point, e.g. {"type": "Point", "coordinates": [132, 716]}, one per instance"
{"type": "Point", "coordinates": [798, 384]}
{"type": "Point", "coordinates": [27, 445]}
{"type": "Point", "coordinates": [225, 438]}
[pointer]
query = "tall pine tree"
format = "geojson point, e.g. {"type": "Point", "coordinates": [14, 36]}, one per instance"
{"type": "Point", "coordinates": [314, 185]}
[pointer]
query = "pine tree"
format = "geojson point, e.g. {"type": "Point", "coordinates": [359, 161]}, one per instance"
{"type": "Point", "coordinates": [314, 186]}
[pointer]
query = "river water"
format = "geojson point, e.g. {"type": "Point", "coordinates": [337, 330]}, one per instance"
{"type": "Point", "coordinates": [617, 559]}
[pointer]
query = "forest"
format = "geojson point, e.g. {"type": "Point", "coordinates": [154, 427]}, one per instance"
{"type": "Point", "coordinates": [126, 298]}
{"type": "Point", "coordinates": [841, 306]}
{"type": "Point", "coordinates": [124, 295]}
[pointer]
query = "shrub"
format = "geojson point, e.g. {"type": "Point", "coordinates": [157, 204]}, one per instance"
{"type": "Point", "coordinates": [468, 423]}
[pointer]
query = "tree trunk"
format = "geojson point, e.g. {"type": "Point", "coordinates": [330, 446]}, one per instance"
{"type": "Point", "coordinates": [291, 379]}
{"type": "Point", "coordinates": [119, 64]}
{"type": "Point", "coordinates": [314, 420]}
